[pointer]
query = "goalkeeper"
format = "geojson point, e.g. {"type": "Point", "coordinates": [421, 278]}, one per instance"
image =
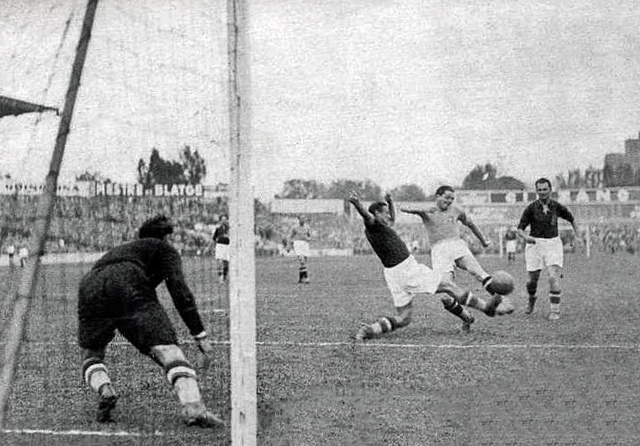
{"type": "Point", "coordinates": [119, 293]}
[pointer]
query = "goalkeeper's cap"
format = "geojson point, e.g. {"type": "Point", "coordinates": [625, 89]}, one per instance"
{"type": "Point", "coordinates": [156, 227]}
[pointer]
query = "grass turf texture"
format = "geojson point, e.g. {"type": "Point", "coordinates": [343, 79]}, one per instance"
{"type": "Point", "coordinates": [514, 380]}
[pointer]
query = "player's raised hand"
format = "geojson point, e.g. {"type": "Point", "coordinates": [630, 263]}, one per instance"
{"type": "Point", "coordinates": [487, 244]}
{"type": "Point", "coordinates": [354, 197]}
{"type": "Point", "coordinates": [387, 197]}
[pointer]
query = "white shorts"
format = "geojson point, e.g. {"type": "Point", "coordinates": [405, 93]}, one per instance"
{"type": "Point", "coordinates": [409, 277]}
{"type": "Point", "coordinates": [544, 252]}
{"type": "Point", "coordinates": [511, 245]}
{"type": "Point", "coordinates": [222, 252]}
{"type": "Point", "coordinates": [445, 253]}
{"type": "Point", "coordinates": [301, 248]}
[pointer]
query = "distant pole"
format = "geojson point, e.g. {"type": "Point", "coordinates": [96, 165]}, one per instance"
{"type": "Point", "coordinates": [501, 242]}
{"type": "Point", "coordinates": [12, 337]}
{"type": "Point", "coordinates": [587, 241]}
{"type": "Point", "coordinates": [242, 305]}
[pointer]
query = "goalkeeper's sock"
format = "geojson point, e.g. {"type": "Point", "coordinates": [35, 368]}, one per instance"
{"type": "Point", "coordinates": [182, 378]}
{"type": "Point", "coordinates": [95, 374]}
{"type": "Point", "coordinates": [187, 390]}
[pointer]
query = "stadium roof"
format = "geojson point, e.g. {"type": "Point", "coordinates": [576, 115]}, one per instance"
{"type": "Point", "coordinates": [15, 107]}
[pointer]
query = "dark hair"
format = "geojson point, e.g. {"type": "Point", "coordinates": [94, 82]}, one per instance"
{"type": "Point", "coordinates": [543, 180]}
{"type": "Point", "coordinates": [442, 189]}
{"type": "Point", "coordinates": [157, 227]}
{"type": "Point", "coordinates": [377, 206]}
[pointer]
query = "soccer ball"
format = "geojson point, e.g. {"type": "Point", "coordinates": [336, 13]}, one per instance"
{"type": "Point", "coordinates": [502, 283]}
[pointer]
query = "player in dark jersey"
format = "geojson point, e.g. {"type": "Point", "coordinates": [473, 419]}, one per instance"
{"type": "Point", "coordinates": [405, 276]}
{"type": "Point", "coordinates": [119, 294]}
{"type": "Point", "coordinates": [221, 239]}
{"type": "Point", "coordinates": [543, 245]}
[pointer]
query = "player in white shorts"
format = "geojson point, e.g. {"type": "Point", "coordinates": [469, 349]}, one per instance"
{"type": "Point", "coordinates": [221, 239]}
{"type": "Point", "coordinates": [300, 237]}
{"type": "Point", "coordinates": [511, 243]}
{"type": "Point", "coordinates": [543, 245]}
{"type": "Point", "coordinates": [405, 276]}
{"type": "Point", "coordinates": [448, 250]}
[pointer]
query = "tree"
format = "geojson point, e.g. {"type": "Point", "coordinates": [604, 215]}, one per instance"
{"type": "Point", "coordinates": [191, 169]}
{"type": "Point", "coordinates": [194, 166]}
{"type": "Point", "coordinates": [369, 190]}
{"type": "Point", "coordinates": [408, 192]}
{"type": "Point", "coordinates": [92, 176]}
{"type": "Point", "coordinates": [608, 176]}
{"type": "Point", "coordinates": [299, 188]}
{"type": "Point", "coordinates": [624, 175]}
{"type": "Point", "coordinates": [485, 177]}
{"type": "Point", "coordinates": [479, 177]}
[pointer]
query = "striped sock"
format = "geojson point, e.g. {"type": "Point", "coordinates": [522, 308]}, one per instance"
{"type": "Point", "coordinates": [384, 325]}
{"type": "Point", "coordinates": [554, 300]}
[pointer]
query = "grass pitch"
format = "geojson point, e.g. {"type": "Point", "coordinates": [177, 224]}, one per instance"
{"type": "Point", "coordinates": [514, 380]}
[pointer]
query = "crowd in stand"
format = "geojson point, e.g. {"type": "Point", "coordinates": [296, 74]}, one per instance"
{"type": "Point", "coordinates": [95, 224]}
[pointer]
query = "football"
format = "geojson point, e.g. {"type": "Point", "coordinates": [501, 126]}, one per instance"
{"type": "Point", "coordinates": [502, 282]}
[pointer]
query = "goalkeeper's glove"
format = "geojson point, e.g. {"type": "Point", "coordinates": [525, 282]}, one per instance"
{"type": "Point", "coordinates": [203, 343]}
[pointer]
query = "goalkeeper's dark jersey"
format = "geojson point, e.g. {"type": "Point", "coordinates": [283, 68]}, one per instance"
{"type": "Point", "coordinates": [544, 219]}
{"type": "Point", "coordinates": [160, 262]}
{"type": "Point", "coordinates": [386, 243]}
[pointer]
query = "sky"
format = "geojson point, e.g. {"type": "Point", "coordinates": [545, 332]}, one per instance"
{"type": "Point", "coordinates": [393, 91]}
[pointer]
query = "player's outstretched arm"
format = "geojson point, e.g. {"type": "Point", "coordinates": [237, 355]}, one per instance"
{"type": "Point", "coordinates": [354, 199]}
{"type": "Point", "coordinates": [469, 223]}
{"type": "Point", "coordinates": [392, 207]}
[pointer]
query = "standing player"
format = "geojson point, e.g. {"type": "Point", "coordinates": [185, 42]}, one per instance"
{"type": "Point", "coordinates": [543, 245]}
{"type": "Point", "coordinates": [405, 276]}
{"type": "Point", "coordinates": [448, 249]}
{"type": "Point", "coordinates": [221, 240]}
{"type": "Point", "coordinates": [11, 251]}
{"type": "Point", "coordinates": [119, 293]}
{"type": "Point", "coordinates": [299, 239]}
{"type": "Point", "coordinates": [511, 243]}
{"type": "Point", "coordinates": [23, 254]}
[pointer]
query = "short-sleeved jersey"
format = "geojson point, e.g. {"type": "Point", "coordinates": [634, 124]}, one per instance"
{"type": "Point", "coordinates": [221, 235]}
{"type": "Point", "coordinates": [443, 225]}
{"type": "Point", "coordinates": [160, 262]}
{"type": "Point", "coordinates": [543, 219]}
{"type": "Point", "coordinates": [386, 243]}
{"type": "Point", "coordinates": [301, 232]}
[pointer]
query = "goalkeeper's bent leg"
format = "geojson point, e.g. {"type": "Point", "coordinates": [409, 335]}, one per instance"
{"type": "Point", "coordinates": [179, 372]}
{"type": "Point", "coordinates": [94, 372]}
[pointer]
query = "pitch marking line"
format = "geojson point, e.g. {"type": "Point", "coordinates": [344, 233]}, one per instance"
{"type": "Point", "coordinates": [409, 346]}
{"type": "Point", "coordinates": [75, 432]}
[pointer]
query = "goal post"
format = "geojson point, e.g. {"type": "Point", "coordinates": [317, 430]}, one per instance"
{"type": "Point", "coordinates": [16, 324]}
{"type": "Point", "coordinates": [242, 306]}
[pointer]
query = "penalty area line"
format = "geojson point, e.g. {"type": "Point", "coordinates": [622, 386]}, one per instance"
{"type": "Point", "coordinates": [86, 433]}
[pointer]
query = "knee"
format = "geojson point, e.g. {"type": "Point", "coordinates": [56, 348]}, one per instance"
{"type": "Point", "coordinates": [554, 282]}
{"type": "Point", "coordinates": [165, 354]}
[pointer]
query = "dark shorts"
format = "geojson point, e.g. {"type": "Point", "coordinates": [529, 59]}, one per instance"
{"type": "Point", "coordinates": [119, 297]}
